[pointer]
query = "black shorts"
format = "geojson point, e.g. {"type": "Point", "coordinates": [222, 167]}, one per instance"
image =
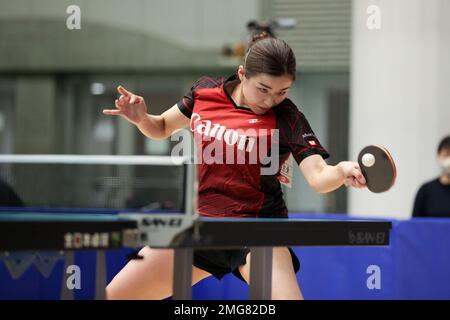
{"type": "Point", "coordinates": [221, 262]}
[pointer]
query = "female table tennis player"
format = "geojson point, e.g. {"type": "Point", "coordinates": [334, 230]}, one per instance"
{"type": "Point", "coordinates": [236, 111]}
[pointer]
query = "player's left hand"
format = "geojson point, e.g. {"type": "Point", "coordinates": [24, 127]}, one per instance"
{"type": "Point", "coordinates": [352, 174]}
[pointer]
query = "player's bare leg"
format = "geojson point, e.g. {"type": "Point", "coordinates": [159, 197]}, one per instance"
{"type": "Point", "coordinates": [148, 278]}
{"type": "Point", "coordinates": [284, 281]}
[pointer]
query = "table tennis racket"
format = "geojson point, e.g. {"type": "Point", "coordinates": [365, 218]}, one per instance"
{"type": "Point", "coordinates": [378, 168]}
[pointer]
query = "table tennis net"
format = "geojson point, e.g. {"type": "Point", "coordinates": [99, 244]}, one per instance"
{"type": "Point", "coordinates": [89, 182]}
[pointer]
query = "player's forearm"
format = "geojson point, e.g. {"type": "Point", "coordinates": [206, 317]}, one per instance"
{"type": "Point", "coordinates": [153, 127]}
{"type": "Point", "coordinates": [328, 178]}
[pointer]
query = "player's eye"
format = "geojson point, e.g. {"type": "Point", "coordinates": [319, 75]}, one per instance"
{"type": "Point", "coordinates": [282, 93]}
{"type": "Point", "coordinates": [263, 90]}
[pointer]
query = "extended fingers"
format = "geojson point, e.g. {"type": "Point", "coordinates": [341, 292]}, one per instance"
{"type": "Point", "coordinates": [135, 99]}
{"type": "Point", "coordinates": [129, 99]}
{"type": "Point", "coordinates": [124, 100]}
{"type": "Point", "coordinates": [112, 112]}
{"type": "Point", "coordinates": [123, 91]}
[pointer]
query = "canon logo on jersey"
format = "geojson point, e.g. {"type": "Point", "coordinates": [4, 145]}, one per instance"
{"type": "Point", "coordinates": [219, 132]}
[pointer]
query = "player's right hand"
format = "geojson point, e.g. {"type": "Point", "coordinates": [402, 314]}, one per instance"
{"type": "Point", "coordinates": [352, 174]}
{"type": "Point", "coordinates": [129, 106]}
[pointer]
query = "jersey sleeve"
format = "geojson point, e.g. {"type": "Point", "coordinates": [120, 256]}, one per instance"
{"type": "Point", "coordinates": [186, 104]}
{"type": "Point", "coordinates": [297, 134]}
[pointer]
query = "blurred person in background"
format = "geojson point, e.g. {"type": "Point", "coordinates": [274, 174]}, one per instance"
{"type": "Point", "coordinates": [433, 197]}
{"type": "Point", "coordinates": [8, 197]}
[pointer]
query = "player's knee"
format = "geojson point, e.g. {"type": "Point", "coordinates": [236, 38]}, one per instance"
{"type": "Point", "coordinates": [155, 292]}
{"type": "Point", "coordinates": [283, 295]}
{"type": "Point", "coordinates": [113, 293]}
{"type": "Point", "coordinates": [286, 288]}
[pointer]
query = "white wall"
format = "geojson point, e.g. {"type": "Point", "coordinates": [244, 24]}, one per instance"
{"type": "Point", "coordinates": [400, 95]}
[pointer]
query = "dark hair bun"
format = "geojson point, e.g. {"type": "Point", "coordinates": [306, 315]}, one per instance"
{"type": "Point", "coordinates": [259, 36]}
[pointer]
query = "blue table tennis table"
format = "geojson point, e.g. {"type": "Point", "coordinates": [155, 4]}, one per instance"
{"type": "Point", "coordinates": [87, 230]}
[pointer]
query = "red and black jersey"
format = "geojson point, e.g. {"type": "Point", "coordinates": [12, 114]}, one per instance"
{"type": "Point", "coordinates": [233, 146]}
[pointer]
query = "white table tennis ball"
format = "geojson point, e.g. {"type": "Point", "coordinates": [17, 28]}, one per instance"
{"type": "Point", "coordinates": [368, 160]}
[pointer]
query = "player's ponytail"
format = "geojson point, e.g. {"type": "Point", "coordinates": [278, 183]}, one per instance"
{"type": "Point", "coordinates": [269, 55]}
{"type": "Point", "coordinates": [259, 36]}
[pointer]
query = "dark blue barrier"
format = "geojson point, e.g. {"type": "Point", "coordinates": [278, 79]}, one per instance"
{"type": "Point", "coordinates": [415, 266]}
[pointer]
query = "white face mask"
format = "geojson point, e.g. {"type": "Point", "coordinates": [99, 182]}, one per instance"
{"type": "Point", "coordinates": [445, 165]}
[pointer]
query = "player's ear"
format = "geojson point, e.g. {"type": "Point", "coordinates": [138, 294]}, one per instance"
{"type": "Point", "coordinates": [241, 72]}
